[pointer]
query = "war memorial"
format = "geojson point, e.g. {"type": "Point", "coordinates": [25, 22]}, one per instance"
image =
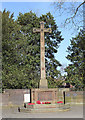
{"type": "Point", "coordinates": [27, 91]}
{"type": "Point", "coordinates": [44, 99]}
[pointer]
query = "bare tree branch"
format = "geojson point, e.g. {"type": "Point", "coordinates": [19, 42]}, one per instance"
{"type": "Point", "coordinates": [74, 13]}
{"type": "Point", "coordinates": [71, 14]}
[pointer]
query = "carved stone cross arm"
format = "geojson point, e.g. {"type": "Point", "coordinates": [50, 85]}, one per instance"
{"type": "Point", "coordinates": [47, 30]}
{"type": "Point", "coordinates": [40, 30]}
{"type": "Point", "coordinates": [36, 30]}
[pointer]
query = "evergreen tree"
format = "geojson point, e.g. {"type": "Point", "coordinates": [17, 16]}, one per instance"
{"type": "Point", "coordinates": [28, 21]}
{"type": "Point", "coordinates": [75, 71]}
{"type": "Point", "coordinates": [21, 50]}
{"type": "Point", "coordinates": [12, 76]}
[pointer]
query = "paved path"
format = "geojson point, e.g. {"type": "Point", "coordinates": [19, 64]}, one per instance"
{"type": "Point", "coordinates": [76, 111]}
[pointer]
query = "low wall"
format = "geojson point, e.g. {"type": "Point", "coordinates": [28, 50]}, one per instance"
{"type": "Point", "coordinates": [16, 96]}
{"type": "Point", "coordinates": [72, 97]}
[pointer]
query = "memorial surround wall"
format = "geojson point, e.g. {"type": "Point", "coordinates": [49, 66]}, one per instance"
{"type": "Point", "coordinates": [16, 96]}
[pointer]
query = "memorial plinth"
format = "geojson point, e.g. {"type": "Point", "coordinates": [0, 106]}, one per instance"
{"type": "Point", "coordinates": [44, 94]}
{"type": "Point", "coordinates": [40, 108]}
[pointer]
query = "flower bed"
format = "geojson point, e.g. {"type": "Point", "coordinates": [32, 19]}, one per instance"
{"type": "Point", "coordinates": [31, 103]}
{"type": "Point", "coordinates": [60, 102]}
{"type": "Point", "coordinates": [38, 102]}
{"type": "Point", "coordinates": [47, 102]}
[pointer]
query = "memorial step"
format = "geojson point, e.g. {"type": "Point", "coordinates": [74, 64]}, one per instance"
{"type": "Point", "coordinates": [48, 108]}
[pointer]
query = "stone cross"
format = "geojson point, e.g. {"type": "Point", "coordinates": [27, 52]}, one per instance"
{"type": "Point", "coordinates": [43, 80]}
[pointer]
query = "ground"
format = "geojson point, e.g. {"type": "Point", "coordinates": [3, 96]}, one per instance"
{"type": "Point", "coordinates": [76, 111]}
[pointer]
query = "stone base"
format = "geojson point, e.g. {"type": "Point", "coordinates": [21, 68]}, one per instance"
{"type": "Point", "coordinates": [44, 108]}
{"type": "Point", "coordinates": [43, 83]}
{"type": "Point", "coordinates": [44, 95]}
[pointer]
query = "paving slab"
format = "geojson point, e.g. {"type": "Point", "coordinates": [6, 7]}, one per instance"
{"type": "Point", "coordinates": [76, 111]}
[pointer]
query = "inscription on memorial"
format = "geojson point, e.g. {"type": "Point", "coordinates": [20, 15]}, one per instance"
{"type": "Point", "coordinates": [45, 96]}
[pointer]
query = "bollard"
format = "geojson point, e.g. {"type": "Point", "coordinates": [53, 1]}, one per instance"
{"type": "Point", "coordinates": [64, 96]}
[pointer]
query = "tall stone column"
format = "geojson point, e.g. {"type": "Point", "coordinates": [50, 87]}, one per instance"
{"type": "Point", "coordinates": [43, 80]}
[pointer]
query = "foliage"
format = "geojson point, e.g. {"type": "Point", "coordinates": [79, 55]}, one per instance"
{"type": "Point", "coordinates": [71, 12]}
{"type": "Point", "coordinates": [75, 71]}
{"type": "Point", "coordinates": [11, 40]}
{"type": "Point", "coordinates": [21, 49]}
{"type": "Point", "coordinates": [29, 21]}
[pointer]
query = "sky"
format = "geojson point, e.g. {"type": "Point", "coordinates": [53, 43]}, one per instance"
{"type": "Point", "coordinates": [42, 8]}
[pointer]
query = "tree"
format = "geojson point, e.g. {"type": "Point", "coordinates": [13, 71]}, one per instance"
{"type": "Point", "coordinates": [72, 13]}
{"type": "Point", "coordinates": [11, 38]}
{"type": "Point", "coordinates": [21, 50]}
{"type": "Point", "coordinates": [75, 71]}
{"type": "Point", "coordinates": [28, 21]}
